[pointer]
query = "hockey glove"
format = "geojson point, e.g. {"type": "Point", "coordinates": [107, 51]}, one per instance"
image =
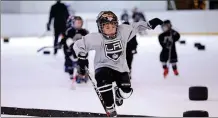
{"type": "Point", "coordinates": [59, 45]}
{"type": "Point", "coordinates": [154, 23]}
{"type": "Point", "coordinates": [82, 65]}
{"type": "Point", "coordinates": [134, 51]}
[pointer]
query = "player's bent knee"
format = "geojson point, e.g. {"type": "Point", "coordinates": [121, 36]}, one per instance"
{"type": "Point", "coordinates": [125, 92]}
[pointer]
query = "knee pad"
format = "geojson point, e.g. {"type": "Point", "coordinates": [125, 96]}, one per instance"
{"type": "Point", "coordinates": [124, 92]}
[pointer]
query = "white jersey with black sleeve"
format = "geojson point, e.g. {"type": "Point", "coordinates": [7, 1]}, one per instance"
{"type": "Point", "coordinates": [110, 52]}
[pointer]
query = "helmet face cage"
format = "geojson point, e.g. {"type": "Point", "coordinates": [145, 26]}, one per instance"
{"type": "Point", "coordinates": [166, 25]}
{"type": "Point", "coordinates": [106, 17]}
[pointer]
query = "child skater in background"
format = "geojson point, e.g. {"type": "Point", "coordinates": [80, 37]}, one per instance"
{"type": "Point", "coordinates": [72, 34]}
{"type": "Point", "coordinates": [167, 41]}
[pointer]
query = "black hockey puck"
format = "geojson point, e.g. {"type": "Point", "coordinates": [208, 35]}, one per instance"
{"type": "Point", "coordinates": [182, 42]}
{"type": "Point", "coordinates": [201, 47]}
{"type": "Point", "coordinates": [196, 113]}
{"type": "Point", "coordinates": [198, 93]}
{"type": "Point", "coordinates": [197, 44]}
{"type": "Point", "coordinates": [46, 52]}
{"type": "Point", "coordinates": [6, 40]}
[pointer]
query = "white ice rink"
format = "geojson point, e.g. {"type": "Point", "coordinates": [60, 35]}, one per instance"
{"type": "Point", "coordinates": [33, 80]}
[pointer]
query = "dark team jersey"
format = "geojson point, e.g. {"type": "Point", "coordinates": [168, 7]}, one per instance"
{"type": "Point", "coordinates": [168, 39]}
{"type": "Point", "coordinates": [73, 35]}
{"type": "Point", "coordinates": [132, 44]}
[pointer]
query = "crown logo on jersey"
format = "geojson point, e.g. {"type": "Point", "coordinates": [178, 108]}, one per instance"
{"type": "Point", "coordinates": [113, 50]}
{"type": "Point", "coordinates": [115, 56]}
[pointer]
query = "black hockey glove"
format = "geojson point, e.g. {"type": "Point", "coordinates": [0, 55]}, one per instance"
{"type": "Point", "coordinates": [82, 62]}
{"type": "Point", "coordinates": [59, 45]}
{"type": "Point", "coordinates": [154, 23]}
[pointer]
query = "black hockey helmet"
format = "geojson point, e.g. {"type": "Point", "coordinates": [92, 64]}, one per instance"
{"type": "Point", "coordinates": [106, 17]}
{"type": "Point", "coordinates": [71, 20]}
{"type": "Point", "coordinates": [166, 25]}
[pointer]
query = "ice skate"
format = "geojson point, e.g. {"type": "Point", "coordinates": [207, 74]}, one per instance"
{"type": "Point", "coordinates": [85, 79]}
{"type": "Point", "coordinates": [166, 71]}
{"type": "Point", "coordinates": [176, 72]}
{"type": "Point", "coordinates": [81, 79]}
{"type": "Point", "coordinates": [78, 79]}
{"type": "Point", "coordinates": [118, 99]}
{"type": "Point", "coordinates": [111, 112]}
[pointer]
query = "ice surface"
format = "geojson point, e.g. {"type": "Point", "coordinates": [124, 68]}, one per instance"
{"type": "Point", "coordinates": [33, 80]}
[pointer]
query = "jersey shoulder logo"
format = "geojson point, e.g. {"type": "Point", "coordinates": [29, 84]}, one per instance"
{"type": "Point", "coordinates": [113, 50]}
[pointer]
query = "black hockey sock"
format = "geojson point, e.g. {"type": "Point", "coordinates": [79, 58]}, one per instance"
{"type": "Point", "coordinates": [71, 71]}
{"type": "Point", "coordinates": [174, 66]}
{"type": "Point", "coordinates": [164, 65]}
{"type": "Point", "coordinates": [107, 95]}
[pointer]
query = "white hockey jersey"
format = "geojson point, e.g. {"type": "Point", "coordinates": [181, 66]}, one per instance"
{"type": "Point", "coordinates": [110, 52]}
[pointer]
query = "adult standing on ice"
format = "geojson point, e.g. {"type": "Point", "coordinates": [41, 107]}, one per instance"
{"type": "Point", "coordinates": [60, 14]}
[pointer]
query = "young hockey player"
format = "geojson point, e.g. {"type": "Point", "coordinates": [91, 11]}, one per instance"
{"type": "Point", "coordinates": [137, 15]}
{"type": "Point", "coordinates": [131, 50]}
{"type": "Point", "coordinates": [110, 58]}
{"type": "Point", "coordinates": [167, 40]}
{"type": "Point", "coordinates": [125, 16]}
{"type": "Point", "coordinates": [73, 33]}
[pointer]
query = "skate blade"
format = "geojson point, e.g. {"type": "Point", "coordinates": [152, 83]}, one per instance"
{"type": "Point", "coordinates": [165, 76]}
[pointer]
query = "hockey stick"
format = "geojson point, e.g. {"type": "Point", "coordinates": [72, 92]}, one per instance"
{"type": "Point", "coordinates": [45, 47]}
{"type": "Point", "coordinates": [42, 48]}
{"type": "Point", "coordinates": [44, 34]}
{"type": "Point", "coordinates": [97, 91]}
{"type": "Point", "coordinates": [170, 49]}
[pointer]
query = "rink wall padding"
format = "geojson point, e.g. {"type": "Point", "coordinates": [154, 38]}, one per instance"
{"type": "Point", "coordinates": [53, 113]}
{"type": "Point", "coordinates": [192, 22]}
